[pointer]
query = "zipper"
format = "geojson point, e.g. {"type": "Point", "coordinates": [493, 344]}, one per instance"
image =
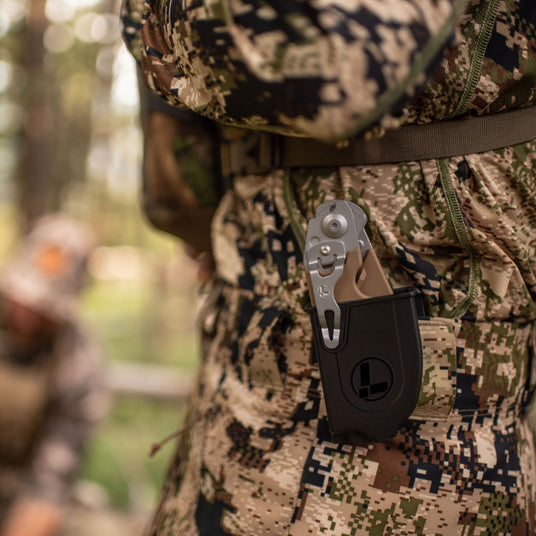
{"type": "Point", "coordinates": [477, 60]}
{"type": "Point", "coordinates": [464, 235]}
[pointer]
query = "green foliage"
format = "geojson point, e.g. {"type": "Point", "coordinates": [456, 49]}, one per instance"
{"type": "Point", "coordinates": [118, 458]}
{"type": "Point", "coordinates": [130, 318]}
{"type": "Point", "coordinates": [8, 224]}
{"type": "Point", "coordinates": [145, 319]}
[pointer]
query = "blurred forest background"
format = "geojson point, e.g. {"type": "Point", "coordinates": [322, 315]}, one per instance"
{"type": "Point", "coordinates": [70, 141]}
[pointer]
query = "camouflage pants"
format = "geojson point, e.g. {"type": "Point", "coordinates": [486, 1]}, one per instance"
{"type": "Point", "coordinates": [258, 460]}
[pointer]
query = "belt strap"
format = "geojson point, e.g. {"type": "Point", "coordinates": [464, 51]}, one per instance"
{"type": "Point", "coordinates": [442, 139]}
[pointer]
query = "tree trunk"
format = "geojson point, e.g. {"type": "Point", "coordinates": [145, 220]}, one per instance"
{"type": "Point", "coordinates": [34, 184]}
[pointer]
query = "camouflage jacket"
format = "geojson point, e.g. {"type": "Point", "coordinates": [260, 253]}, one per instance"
{"type": "Point", "coordinates": [334, 69]}
{"type": "Point", "coordinates": [51, 397]}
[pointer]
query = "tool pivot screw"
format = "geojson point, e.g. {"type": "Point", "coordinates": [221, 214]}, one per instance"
{"type": "Point", "coordinates": [325, 250]}
{"type": "Point", "coordinates": [334, 225]}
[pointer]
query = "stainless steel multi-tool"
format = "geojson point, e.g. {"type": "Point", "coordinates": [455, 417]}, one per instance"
{"type": "Point", "coordinates": [341, 264]}
{"type": "Point", "coordinates": [366, 336]}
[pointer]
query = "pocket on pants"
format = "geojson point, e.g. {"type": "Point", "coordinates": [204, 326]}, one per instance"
{"type": "Point", "coordinates": [438, 387]}
{"type": "Point", "coordinates": [260, 345]}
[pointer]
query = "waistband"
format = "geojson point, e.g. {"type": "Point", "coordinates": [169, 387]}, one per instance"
{"type": "Point", "coordinates": [260, 152]}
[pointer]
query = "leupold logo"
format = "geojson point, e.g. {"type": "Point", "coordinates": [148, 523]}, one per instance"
{"type": "Point", "coordinates": [372, 378]}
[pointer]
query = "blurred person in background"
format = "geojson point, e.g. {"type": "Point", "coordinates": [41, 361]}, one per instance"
{"type": "Point", "coordinates": [51, 387]}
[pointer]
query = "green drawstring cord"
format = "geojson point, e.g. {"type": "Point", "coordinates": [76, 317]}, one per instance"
{"type": "Point", "coordinates": [297, 221]}
{"type": "Point", "coordinates": [477, 60]}
{"type": "Point", "coordinates": [464, 235]}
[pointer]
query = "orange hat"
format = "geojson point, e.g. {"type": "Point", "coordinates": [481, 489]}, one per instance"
{"type": "Point", "coordinates": [49, 269]}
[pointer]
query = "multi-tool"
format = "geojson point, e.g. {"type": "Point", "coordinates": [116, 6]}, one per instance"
{"type": "Point", "coordinates": [366, 336]}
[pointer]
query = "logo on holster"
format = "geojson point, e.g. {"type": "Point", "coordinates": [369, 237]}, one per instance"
{"type": "Point", "coordinates": [372, 379]}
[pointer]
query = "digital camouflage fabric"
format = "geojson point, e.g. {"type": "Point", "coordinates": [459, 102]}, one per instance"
{"type": "Point", "coordinates": [330, 69]}
{"type": "Point", "coordinates": [292, 66]}
{"type": "Point", "coordinates": [257, 458]}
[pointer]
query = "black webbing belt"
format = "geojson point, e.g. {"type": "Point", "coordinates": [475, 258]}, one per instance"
{"type": "Point", "coordinates": [263, 152]}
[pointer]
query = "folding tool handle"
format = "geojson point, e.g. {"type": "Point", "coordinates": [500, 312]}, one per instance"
{"type": "Point", "coordinates": [341, 264]}
{"type": "Point", "coordinates": [361, 279]}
